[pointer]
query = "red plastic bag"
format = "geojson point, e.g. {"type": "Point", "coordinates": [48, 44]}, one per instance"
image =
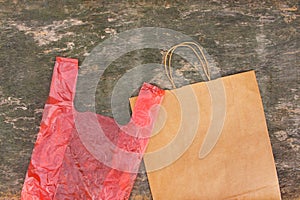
{"type": "Point", "coordinates": [62, 166]}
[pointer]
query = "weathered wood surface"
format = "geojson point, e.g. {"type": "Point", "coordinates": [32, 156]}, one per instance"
{"type": "Point", "coordinates": [239, 35]}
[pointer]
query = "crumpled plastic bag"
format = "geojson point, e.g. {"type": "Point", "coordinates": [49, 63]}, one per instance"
{"type": "Point", "coordinates": [69, 165]}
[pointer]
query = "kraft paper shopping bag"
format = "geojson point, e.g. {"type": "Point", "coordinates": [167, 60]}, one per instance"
{"type": "Point", "coordinates": [211, 141]}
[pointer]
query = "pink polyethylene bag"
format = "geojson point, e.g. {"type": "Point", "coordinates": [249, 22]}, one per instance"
{"type": "Point", "coordinates": [62, 166]}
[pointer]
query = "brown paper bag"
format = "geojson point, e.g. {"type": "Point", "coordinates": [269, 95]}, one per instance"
{"type": "Point", "coordinates": [211, 142]}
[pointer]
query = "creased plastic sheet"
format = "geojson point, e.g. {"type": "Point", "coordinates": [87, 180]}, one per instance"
{"type": "Point", "coordinates": [67, 164]}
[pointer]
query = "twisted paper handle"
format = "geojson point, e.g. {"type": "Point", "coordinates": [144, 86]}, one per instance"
{"type": "Point", "coordinates": [169, 54]}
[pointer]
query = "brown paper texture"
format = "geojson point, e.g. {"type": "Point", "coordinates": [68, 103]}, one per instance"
{"type": "Point", "coordinates": [212, 143]}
